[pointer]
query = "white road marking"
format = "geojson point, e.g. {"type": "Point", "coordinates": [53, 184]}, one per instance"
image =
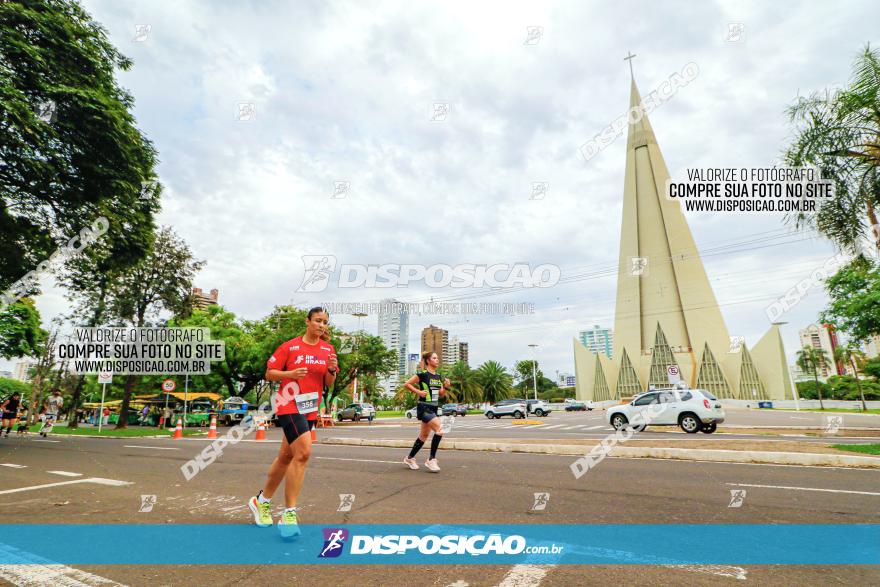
{"type": "Point", "coordinates": [796, 418]}
{"type": "Point", "coordinates": [805, 489]}
{"type": "Point", "coordinates": [359, 460]}
{"type": "Point", "coordinates": [570, 427]}
{"type": "Point", "coordinates": [553, 426]}
{"type": "Point", "coordinates": [65, 473]}
{"type": "Point", "coordinates": [37, 440]}
{"type": "Point", "coordinates": [36, 571]}
{"type": "Point", "coordinates": [595, 427]}
{"type": "Point", "coordinates": [97, 480]}
{"type": "Point", "coordinates": [13, 466]}
{"type": "Point", "coordinates": [525, 576]}
{"type": "Point", "coordinates": [145, 446]}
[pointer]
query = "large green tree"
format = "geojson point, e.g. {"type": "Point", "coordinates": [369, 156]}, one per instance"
{"type": "Point", "coordinates": [495, 381]}
{"type": "Point", "coordinates": [854, 299]}
{"type": "Point", "coordinates": [853, 357]}
{"type": "Point", "coordinates": [839, 133]}
{"type": "Point", "coordinates": [465, 386]}
{"type": "Point", "coordinates": [20, 332]}
{"type": "Point", "coordinates": [70, 151]}
{"type": "Point", "coordinates": [162, 281]}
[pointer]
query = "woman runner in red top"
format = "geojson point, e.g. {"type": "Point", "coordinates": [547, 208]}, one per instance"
{"type": "Point", "coordinates": [305, 366]}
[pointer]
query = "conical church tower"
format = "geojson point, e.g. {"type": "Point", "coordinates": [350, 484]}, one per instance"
{"type": "Point", "coordinates": [666, 311]}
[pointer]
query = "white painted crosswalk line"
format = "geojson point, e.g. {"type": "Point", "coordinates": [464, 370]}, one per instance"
{"type": "Point", "coordinates": [13, 466]}
{"type": "Point", "coordinates": [553, 426]}
{"type": "Point", "coordinates": [570, 427]}
{"type": "Point", "coordinates": [65, 473]}
{"type": "Point", "coordinates": [36, 571]}
{"type": "Point", "coordinates": [595, 427]}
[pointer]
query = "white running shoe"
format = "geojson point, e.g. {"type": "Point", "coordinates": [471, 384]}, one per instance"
{"type": "Point", "coordinates": [412, 463]}
{"type": "Point", "coordinates": [432, 465]}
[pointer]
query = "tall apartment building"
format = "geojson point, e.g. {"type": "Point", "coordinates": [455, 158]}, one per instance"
{"type": "Point", "coordinates": [436, 340]}
{"type": "Point", "coordinates": [598, 340]}
{"type": "Point", "coordinates": [201, 300]}
{"type": "Point", "coordinates": [394, 332]}
{"type": "Point", "coordinates": [21, 370]}
{"type": "Point", "coordinates": [821, 337]}
{"type": "Point", "coordinates": [463, 353]}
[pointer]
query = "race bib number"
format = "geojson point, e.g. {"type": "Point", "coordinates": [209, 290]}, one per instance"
{"type": "Point", "coordinates": [306, 403]}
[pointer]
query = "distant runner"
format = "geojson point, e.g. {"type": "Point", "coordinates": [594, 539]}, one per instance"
{"type": "Point", "coordinates": [9, 409]}
{"type": "Point", "coordinates": [430, 388]}
{"type": "Point", "coordinates": [53, 407]}
{"type": "Point", "coordinates": [305, 366]}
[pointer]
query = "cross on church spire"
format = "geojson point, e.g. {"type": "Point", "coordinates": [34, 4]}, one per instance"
{"type": "Point", "coordinates": [629, 57]}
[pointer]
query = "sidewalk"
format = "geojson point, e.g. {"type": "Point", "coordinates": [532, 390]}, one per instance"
{"type": "Point", "coordinates": [781, 453]}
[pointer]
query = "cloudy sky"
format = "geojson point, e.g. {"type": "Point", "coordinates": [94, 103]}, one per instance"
{"type": "Point", "coordinates": [346, 92]}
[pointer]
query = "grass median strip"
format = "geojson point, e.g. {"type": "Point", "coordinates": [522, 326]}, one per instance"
{"type": "Point", "coordinates": [870, 449]}
{"type": "Point", "coordinates": [62, 430]}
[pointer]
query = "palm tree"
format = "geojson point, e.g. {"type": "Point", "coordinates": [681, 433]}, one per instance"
{"type": "Point", "coordinates": [465, 387]}
{"type": "Point", "coordinates": [496, 382]}
{"type": "Point", "coordinates": [855, 358]}
{"type": "Point", "coordinates": [810, 360]}
{"type": "Point", "coordinates": [839, 133]}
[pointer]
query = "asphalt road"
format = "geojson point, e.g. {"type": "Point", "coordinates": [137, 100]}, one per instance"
{"type": "Point", "coordinates": [569, 425]}
{"type": "Point", "coordinates": [473, 488]}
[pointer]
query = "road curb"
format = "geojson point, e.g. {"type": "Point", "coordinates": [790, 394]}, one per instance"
{"type": "Point", "coordinates": [684, 454]}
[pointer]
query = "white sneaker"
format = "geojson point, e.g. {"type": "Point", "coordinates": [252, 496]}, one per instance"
{"type": "Point", "coordinates": [432, 465]}
{"type": "Point", "coordinates": [412, 463]}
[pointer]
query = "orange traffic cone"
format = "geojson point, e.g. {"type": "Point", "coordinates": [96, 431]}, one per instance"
{"type": "Point", "coordinates": [261, 432]}
{"type": "Point", "coordinates": [178, 432]}
{"type": "Point", "coordinates": [212, 431]}
{"type": "Point", "coordinates": [314, 435]}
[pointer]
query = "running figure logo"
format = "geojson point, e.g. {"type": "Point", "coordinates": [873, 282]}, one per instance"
{"type": "Point", "coordinates": [319, 268]}
{"type": "Point", "coordinates": [737, 497]}
{"type": "Point", "coordinates": [446, 424]}
{"type": "Point", "coordinates": [541, 500]}
{"type": "Point", "coordinates": [147, 503]}
{"type": "Point", "coordinates": [346, 500]}
{"type": "Point", "coordinates": [833, 424]}
{"type": "Point", "coordinates": [334, 540]}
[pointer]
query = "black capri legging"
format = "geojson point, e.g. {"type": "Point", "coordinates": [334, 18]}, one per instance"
{"type": "Point", "coordinates": [294, 426]}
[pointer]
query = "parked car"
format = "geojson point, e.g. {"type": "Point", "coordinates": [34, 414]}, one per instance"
{"type": "Point", "coordinates": [454, 410]}
{"type": "Point", "coordinates": [695, 410]}
{"type": "Point", "coordinates": [507, 407]}
{"type": "Point", "coordinates": [356, 412]}
{"type": "Point", "coordinates": [537, 407]}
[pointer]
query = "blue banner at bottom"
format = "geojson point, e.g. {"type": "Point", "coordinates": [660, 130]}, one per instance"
{"type": "Point", "coordinates": [380, 544]}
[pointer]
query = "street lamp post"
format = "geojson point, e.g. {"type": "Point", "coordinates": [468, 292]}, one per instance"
{"type": "Point", "coordinates": [360, 316]}
{"type": "Point", "coordinates": [534, 370]}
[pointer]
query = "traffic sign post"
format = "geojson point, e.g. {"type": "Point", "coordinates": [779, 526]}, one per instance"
{"type": "Point", "coordinates": [673, 373]}
{"type": "Point", "coordinates": [104, 377]}
{"type": "Point", "coordinates": [168, 386]}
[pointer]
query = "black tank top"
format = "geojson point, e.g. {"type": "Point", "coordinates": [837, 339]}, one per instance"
{"type": "Point", "coordinates": [431, 383]}
{"type": "Point", "coordinates": [12, 406]}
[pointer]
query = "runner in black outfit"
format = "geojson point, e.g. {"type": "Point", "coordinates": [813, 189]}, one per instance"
{"type": "Point", "coordinates": [430, 388]}
{"type": "Point", "coordinates": [9, 409]}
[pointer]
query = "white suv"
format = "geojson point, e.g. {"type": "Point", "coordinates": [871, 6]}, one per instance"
{"type": "Point", "coordinates": [695, 410]}
{"type": "Point", "coordinates": [507, 407]}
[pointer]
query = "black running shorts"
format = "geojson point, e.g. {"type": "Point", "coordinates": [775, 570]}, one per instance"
{"type": "Point", "coordinates": [294, 426]}
{"type": "Point", "coordinates": [426, 412]}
